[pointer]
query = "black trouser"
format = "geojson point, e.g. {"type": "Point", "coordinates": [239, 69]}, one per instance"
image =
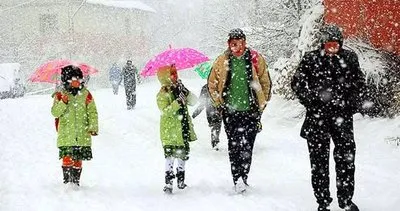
{"type": "Point", "coordinates": [344, 156]}
{"type": "Point", "coordinates": [130, 97]}
{"type": "Point", "coordinates": [115, 88]}
{"type": "Point", "coordinates": [241, 130]}
{"type": "Point", "coordinates": [215, 131]}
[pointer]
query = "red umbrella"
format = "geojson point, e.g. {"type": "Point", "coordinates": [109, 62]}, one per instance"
{"type": "Point", "coordinates": [50, 71]}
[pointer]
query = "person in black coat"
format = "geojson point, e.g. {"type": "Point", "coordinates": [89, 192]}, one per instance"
{"type": "Point", "coordinates": [214, 117]}
{"type": "Point", "coordinates": [130, 74]}
{"type": "Point", "coordinates": [329, 83]}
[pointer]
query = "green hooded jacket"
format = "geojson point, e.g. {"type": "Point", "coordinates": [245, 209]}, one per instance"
{"type": "Point", "coordinates": [170, 122]}
{"type": "Point", "coordinates": [77, 119]}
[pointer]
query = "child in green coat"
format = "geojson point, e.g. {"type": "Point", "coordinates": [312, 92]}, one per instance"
{"type": "Point", "coordinates": [176, 128]}
{"type": "Point", "coordinates": [76, 121]}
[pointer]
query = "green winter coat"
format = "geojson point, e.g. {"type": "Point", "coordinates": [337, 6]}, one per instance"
{"type": "Point", "coordinates": [170, 122]}
{"type": "Point", "coordinates": [77, 119]}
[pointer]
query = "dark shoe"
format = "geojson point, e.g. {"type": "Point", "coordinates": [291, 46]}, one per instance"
{"type": "Point", "coordinates": [215, 146]}
{"type": "Point", "coordinates": [181, 185]}
{"type": "Point", "coordinates": [67, 174]}
{"type": "Point", "coordinates": [169, 176]}
{"type": "Point", "coordinates": [245, 181]}
{"type": "Point", "coordinates": [168, 189]}
{"type": "Point", "coordinates": [76, 175]}
{"type": "Point", "coordinates": [323, 208]}
{"type": "Point", "coordinates": [351, 207]}
{"type": "Point", "coordinates": [180, 175]}
{"type": "Point", "coordinates": [240, 187]}
{"type": "Point", "coordinates": [214, 143]}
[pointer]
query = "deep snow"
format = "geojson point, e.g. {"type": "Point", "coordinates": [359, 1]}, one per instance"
{"type": "Point", "coordinates": [127, 172]}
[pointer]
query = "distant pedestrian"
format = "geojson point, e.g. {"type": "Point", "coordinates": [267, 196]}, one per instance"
{"type": "Point", "coordinates": [115, 75]}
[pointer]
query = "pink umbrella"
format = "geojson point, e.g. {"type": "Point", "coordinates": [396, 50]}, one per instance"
{"type": "Point", "coordinates": [50, 71]}
{"type": "Point", "coordinates": [182, 58]}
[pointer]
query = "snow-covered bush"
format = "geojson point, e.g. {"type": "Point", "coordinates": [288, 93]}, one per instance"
{"type": "Point", "coordinates": [284, 68]}
{"type": "Point", "coordinates": [274, 26]}
{"type": "Point", "coordinates": [383, 87]}
{"type": "Point", "coordinates": [382, 70]}
{"type": "Point", "coordinates": [282, 73]}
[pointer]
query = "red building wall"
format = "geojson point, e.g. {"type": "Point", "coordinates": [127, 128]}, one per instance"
{"type": "Point", "coordinates": [377, 21]}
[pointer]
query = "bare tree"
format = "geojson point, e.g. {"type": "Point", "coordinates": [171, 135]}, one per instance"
{"type": "Point", "coordinates": [276, 25]}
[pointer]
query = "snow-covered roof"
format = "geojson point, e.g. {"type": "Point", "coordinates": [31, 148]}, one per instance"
{"type": "Point", "coordinates": [123, 4]}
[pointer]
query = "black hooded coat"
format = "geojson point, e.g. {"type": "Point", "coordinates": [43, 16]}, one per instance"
{"type": "Point", "coordinates": [329, 87]}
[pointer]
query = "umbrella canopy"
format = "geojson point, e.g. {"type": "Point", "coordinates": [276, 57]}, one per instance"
{"type": "Point", "coordinates": [204, 69]}
{"type": "Point", "coordinates": [182, 58]}
{"type": "Point", "coordinates": [50, 71]}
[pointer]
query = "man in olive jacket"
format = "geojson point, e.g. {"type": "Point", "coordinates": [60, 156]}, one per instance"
{"type": "Point", "coordinates": [329, 83]}
{"type": "Point", "coordinates": [240, 86]}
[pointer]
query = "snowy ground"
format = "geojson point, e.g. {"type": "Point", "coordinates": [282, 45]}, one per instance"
{"type": "Point", "coordinates": [127, 172]}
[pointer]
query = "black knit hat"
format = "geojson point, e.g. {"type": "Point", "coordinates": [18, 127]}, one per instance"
{"type": "Point", "coordinates": [331, 32]}
{"type": "Point", "coordinates": [70, 71]}
{"type": "Point", "coordinates": [236, 34]}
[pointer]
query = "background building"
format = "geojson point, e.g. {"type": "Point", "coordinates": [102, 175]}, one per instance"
{"type": "Point", "coordinates": [91, 31]}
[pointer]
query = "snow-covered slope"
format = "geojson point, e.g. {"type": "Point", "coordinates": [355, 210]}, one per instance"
{"type": "Point", "coordinates": [127, 172]}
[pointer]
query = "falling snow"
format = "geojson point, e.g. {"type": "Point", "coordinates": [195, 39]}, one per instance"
{"type": "Point", "coordinates": [127, 172]}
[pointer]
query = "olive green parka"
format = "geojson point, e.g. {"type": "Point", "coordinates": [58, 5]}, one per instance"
{"type": "Point", "coordinates": [77, 119]}
{"type": "Point", "coordinates": [170, 122]}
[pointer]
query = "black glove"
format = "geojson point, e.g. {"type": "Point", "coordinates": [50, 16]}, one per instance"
{"type": "Point", "coordinates": [181, 99]}
{"type": "Point", "coordinates": [182, 88]}
{"type": "Point", "coordinates": [180, 92]}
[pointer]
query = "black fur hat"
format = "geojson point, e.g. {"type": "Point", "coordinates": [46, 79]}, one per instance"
{"type": "Point", "coordinates": [236, 34]}
{"type": "Point", "coordinates": [331, 32]}
{"type": "Point", "coordinates": [70, 71]}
